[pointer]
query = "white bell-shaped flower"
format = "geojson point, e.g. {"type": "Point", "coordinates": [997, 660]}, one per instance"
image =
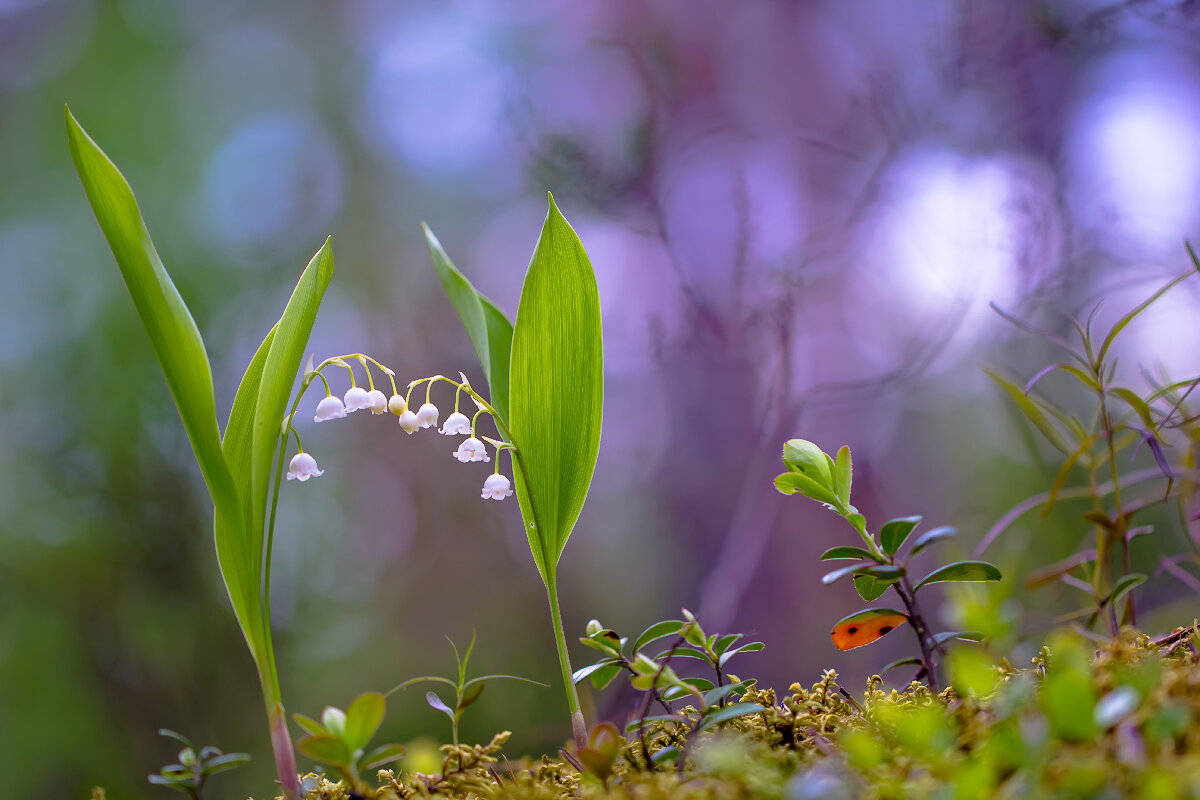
{"type": "Point", "coordinates": [408, 421]}
{"type": "Point", "coordinates": [330, 408]}
{"type": "Point", "coordinates": [427, 415]}
{"type": "Point", "coordinates": [471, 450]}
{"type": "Point", "coordinates": [356, 398]}
{"type": "Point", "coordinates": [377, 402]}
{"type": "Point", "coordinates": [456, 423]}
{"type": "Point", "coordinates": [496, 487]}
{"type": "Point", "coordinates": [303, 467]}
{"type": "Point", "coordinates": [397, 405]}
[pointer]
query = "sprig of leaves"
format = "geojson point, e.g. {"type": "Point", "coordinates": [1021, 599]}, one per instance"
{"type": "Point", "coordinates": [341, 737]}
{"type": "Point", "coordinates": [195, 766]}
{"type": "Point", "coordinates": [466, 691]}
{"type": "Point", "coordinates": [884, 561]}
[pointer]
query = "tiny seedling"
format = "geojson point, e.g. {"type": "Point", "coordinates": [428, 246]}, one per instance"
{"type": "Point", "coordinates": [194, 767]}
{"type": "Point", "coordinates": [466, 691]}
{"type": "Point", "coordinates": [883, 564]}
{"type": "Point", "coordinates": [341, 737]}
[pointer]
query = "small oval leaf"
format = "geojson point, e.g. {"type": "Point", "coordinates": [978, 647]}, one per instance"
{"type": "Point", "coordinates": [932, 536]}
{"type": "Point", "coordinates": [846, 551]}
{"type": "Point", "coordinates": [895, 531]}
{"type": "Point", "coordinates": [962, 571]}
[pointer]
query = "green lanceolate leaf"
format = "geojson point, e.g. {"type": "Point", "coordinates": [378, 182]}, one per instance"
{"type": "Point", "coordinates": [169, 324]}
{"type": "Point", "coordinates": [556, 389]}
{"type": "Point", "coordinates": [181, 355]}
{"type": "Point", "coordinates": [895, 531]}
{"type": "Point", "coordinates": [962, 571]}
{"type": "Point", "coordinates": [487, 327]}
{"type": "Point", "coordinates": [279, 374]}
{"type": "Point", "coordinates": [843, 474]}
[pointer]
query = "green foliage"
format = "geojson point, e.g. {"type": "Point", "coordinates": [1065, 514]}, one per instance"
{"type": "Point", "coordinates": [194, 767]}
{"type": "Point", "coordinates": [554, 372]}
{"type": "Point", "coordinates": [238, 467]}
{"type": "Point", "coordinates": [1094, 441]}
{"type": "Point", "coordinates": [466, 691]}
{"type": "Point", "coordinates": [341, 737]}
{"type": "Point", "coordinates": [882, 564]}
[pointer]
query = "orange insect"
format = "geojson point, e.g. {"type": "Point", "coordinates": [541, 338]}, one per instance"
{"type": "Point", "coordinates": [865, 627]}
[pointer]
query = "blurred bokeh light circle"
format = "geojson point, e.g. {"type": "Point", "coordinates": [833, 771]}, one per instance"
{"type": "Point", "coordinates": [269, 186]}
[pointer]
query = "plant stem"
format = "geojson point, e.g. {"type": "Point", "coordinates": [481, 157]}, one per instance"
{"type": "Point", "coordinates": [909, 598]}
{"type": "Point", "coordinates": [285, 756]}
{"type": "Point", "coordinates": [578, 726]}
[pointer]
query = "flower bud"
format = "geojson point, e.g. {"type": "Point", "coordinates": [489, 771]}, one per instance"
{"type": "Point", "coordinates": [376, 401]}
{"type": "Point", "coordinates": [396, 404]}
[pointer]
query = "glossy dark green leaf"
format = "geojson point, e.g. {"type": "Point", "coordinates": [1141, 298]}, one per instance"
{"type": "Point", "coordinates": [907, 661]}
{"type": "Point", "coordinates": [962, 571]}
{"type": "Point", "coordinates": [602, 677]}
{"type": "Point", "coordinates": [658, 630]}
{"type": "Point", "coordinates": [846, 551]}
{"type": "Point", "coordinates": [722, 644]}
{"type": "Point", "coordinates": [895, 531]}
{"type": "Point", "coordinates": [363, 718]}
{"type": "Point", "coordinates": [872, 587]}
{"type": "Point", "coordinates": [487, 327]}
{"type": "Point", "coordinates": [751, 647]}
{"type": "Point", "coordinates": [225, 762]}
{"type": "Point", "coordinates": [933, 536]}
{"type": "Point", "coordinates": [838, 574]}
{"type": "Point", "coordinates": [556, 389]}
{"type": "Point", "coordinates": [470, 695]}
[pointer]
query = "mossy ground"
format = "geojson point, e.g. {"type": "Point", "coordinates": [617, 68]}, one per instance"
{"type": "Point", "coordinates": [1117, 722]}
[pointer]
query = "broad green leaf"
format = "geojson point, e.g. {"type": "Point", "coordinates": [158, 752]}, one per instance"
{"type": "Point", "coordinates": [282, 364]}
{"type": "Point", "coordinates": [658, 630]}
{"type": "Point", "coordinates": [328, 749]}
{"type": "Point", "coordinates": [363, 718]}
{"type": "Point", "coordinates": [845, 551]}
{"type": "Point", "coordinates": [962, 571]}
{"type": "Point", "coordinates": [172, 331]}
{"type": "Point", "coordinates": [843, 474]}
{"type": "Point", "coordinates": [792, 482]}
{"type": "Point", "coordinates": [181, 355]}
{"type": "Point", "coordinates": [807, 458]}
{"type": "Point", "coordinates": [487, 327]}
{"type": "Point", "coordinates": [929, 537]}
{"type": "Point", "coordinates": [895, 531]}
{"type": "Point", "coordinates": [871, 587]}
{"type": "Point", "coordinates": [556, 389]}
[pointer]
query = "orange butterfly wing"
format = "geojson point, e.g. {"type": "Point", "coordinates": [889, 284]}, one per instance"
{"type": "Point", "coordinates": [865, 627]}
